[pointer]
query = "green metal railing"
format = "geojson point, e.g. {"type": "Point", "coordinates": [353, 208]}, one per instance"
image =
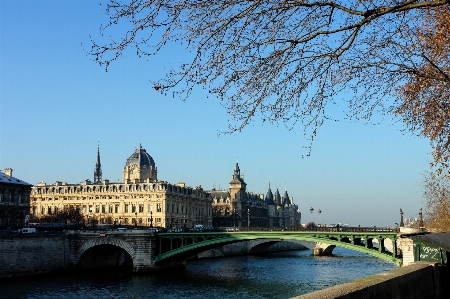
{"type": "Point", "coordinates": [184, 244]}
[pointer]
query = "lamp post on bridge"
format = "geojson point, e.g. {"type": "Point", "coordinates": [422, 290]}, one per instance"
{"type": "Point", "coordinates": [151, 219]}
{"type": "Point", "coordinates": [421, 219]}
{"type": "Point", "coordinates": [320, 221]}
{"type": "Point", "coordinates": [234, 212]}
{"type": "Point", "coordinates": [248, 219]}
{"type": "Point", "coordinates": [311, 210]}
{"type": "Point", "coordinates": [401, 219]}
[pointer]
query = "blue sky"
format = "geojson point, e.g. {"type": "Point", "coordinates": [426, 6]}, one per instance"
{"type": "Point", "coordinates": [56, 105]}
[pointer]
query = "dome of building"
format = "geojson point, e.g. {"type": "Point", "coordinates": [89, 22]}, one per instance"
{"type": "Point", "coordinates": [141, 158]}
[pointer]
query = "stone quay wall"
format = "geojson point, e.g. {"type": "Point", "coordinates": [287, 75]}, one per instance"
{"type": "Point", "coordinates": [30, 254]}
{"type": "Point", "coordinates": [419, 280]}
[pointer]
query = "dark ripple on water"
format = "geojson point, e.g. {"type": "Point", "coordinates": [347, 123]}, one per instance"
{"type": "Point", "coordinates": [274, 275]}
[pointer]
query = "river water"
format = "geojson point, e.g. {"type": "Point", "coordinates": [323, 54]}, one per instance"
{"type": "Point", "coordinates": [272, 275]}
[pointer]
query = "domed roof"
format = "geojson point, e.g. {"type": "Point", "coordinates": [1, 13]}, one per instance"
{"type": "Point", "coordinates": [140, 158]}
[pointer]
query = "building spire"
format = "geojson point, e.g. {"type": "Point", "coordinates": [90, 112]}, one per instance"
{"type": "Point", "coordinates": [98, 169]}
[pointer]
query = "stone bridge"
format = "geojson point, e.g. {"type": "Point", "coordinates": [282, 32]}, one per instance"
{"type": "Point", "coordinates": [110, 248]}
{"type": "Point", "coordinates": [145, 250]}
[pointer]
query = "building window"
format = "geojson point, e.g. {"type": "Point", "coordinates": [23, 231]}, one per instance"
{"type": "Point", "coordinates": [141, 208]}
{"type": "Point", "coordinates": [84, 209]}
{"type": "Point", "coordinates": [126, 208]}
{"type": "Point", "coordinates": [97, 209]}
{"type": "Point", "coordinates": [150, 207]}
{"type": "Point", "coordinates": [133, 208]}
{"type": "Point", "coordinates": [110, 209]}
{"type": "Point", "coordinates": [103, 209]}
{"type": "Point", "coordinates": [42, 210]}
{"type": "Point", "coordinates": [55, 210]}
{"type": "Point", "coordinates": [158, 207]}
{"type": "Point", "coordinates": [49, 210]}
{"type": "Point", "coordinates": [116, 209]}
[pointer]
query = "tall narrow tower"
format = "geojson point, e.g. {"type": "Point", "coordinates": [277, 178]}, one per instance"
{"type": "Point", "coordinates": [237, 186]}
{"type": "Point", "coordinates": [98, 169]}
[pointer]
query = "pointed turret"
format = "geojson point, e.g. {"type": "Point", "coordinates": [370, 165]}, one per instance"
{"type": "Point", "coordinates": [98, 168]}
{"type": "Point", "coordinates": [286, 200]}
{"type": "Point", "coordinates": [278, 198]}
{"type": "Point", "coordinates": [269, 197]}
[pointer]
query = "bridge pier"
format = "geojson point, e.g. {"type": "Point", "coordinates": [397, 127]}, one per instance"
{"type": "Point", "coordinates": [318, 248]}
{"type": "Point", "coordinates": [323, 249]}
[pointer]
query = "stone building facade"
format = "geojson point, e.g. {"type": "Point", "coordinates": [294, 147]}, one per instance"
{"type": "Point", "coordinates": [14, 200]}
{"type": "Point", "coordinates": [140, 199]}
{"type": "Point", "coordinates": [237, 207]}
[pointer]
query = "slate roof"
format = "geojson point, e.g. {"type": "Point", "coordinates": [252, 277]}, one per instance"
{"type": "Point", "coordinates": [219, 193]}
{"type": "Point", "coordinates": [269, 197]}
{"type": "Point", "coordinates": [6, 179]}
{"type": "Point", "coordinates": [140, 158]}
{"type": "Point", "coordinates": [277, 198]}
{"type": "Point", "coordinates": [286, 200]}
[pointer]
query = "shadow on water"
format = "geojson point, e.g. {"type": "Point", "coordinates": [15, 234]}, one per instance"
{"type": "Point", "coordinates": [272, 275]}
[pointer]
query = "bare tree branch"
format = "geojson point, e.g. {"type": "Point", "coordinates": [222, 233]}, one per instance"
{"type": "Point", "coordinates": [286, 61]}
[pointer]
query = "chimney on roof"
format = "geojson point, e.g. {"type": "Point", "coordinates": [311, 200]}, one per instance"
{"type": "Point", "coordinates": [8, 171]}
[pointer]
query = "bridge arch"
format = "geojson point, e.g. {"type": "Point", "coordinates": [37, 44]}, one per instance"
{"type": "Point", "coordinates": [186, 244]}
{"type": "Point", "coordinates": [105, 252]}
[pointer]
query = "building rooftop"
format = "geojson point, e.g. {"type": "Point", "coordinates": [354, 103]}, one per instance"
{"type": "Point", "coordinates": [4, 178]}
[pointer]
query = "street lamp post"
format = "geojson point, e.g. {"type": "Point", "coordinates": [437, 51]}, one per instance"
{"type": "Point", "coordinates": [320, 221]}
{"type": "Point", "coordinates": [311, 210]}
{"type": "Point", "coordinates": [248, 219]}
{"type": "Point", "coordinates": [401, 219]}
{"type": "Point", "coordinates": [421, 219]}
{"type": "Point", "coordinates": [135, 219]}
{"type": "Point", "coordinates": [151, 219]}
{"type": "Point", "coordinates": [234, 211]}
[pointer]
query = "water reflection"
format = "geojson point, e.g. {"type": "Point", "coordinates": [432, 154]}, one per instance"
{"type": "Point", "coordinates": [274, 275]}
